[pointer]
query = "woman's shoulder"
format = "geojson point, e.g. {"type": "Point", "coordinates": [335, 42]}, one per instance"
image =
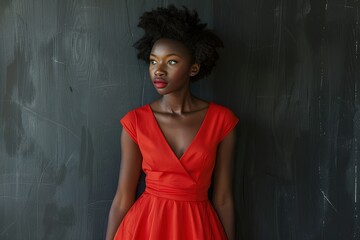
{"type": "Point", "coordinates": [134, 114]}
{"type": "Point", "coordinates": [225, 118]}
{"type": "Point", "coordinates": [222, 113]}
{"type": "Point", "coordinates": [138, 109]}
{"type": "Point", "coordinates": [221, 108]}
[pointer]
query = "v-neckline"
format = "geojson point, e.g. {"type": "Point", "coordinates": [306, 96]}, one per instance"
{"type": "Point", "coordinates": [192, 141]}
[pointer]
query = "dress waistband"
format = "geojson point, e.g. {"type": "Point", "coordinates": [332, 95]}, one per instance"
{"type": "Point", "coordinates": [179, 195]}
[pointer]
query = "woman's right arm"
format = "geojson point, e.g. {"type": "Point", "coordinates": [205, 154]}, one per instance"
{"type": "Point", "coordinates": [130, 170]}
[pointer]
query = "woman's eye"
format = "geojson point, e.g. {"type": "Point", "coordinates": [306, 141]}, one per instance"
{"type": "Point", "coordinates": [152, 62]}
{"type": "Point", "coordinates": [172, 62]}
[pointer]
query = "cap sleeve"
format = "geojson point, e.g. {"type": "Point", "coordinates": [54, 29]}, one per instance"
{"type": "Point", "coordinates": [129, 124]}
{"type": "Point", "coordinates": [229, 122]}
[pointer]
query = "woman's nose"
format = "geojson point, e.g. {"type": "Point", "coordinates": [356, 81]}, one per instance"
{"type": "Point", "coordinates": [159, 71]}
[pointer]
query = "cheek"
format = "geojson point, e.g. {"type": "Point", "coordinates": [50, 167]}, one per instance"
{"type": "Point", "coordinates": [151, 69]}
{"type": "Point", "coordinates": [183, 72]}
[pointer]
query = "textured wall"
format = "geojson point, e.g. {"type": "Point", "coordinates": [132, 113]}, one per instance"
{"type": "Point", "coordinates": [290, 70]}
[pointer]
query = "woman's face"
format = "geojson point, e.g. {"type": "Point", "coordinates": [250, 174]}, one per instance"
{"type": "Point", "coordinates": [171, 66]}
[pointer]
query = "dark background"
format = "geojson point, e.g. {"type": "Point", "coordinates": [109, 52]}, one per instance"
{"type": "Point", "coordinates": [290, 70]}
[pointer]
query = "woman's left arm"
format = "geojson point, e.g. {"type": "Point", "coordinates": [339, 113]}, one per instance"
{"type": "Point", "coordinates": [222, 198]}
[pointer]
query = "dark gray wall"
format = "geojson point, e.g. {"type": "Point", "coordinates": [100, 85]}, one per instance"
{"type": "Point", "coordinates": [290, 71]}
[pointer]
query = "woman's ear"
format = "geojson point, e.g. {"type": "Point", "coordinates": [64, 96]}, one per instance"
{"type": "Point", "coordinates": [195, 68]}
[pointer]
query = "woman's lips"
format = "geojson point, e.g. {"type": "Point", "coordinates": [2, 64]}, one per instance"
{"type": "Point", "coordinates": [160, 83]}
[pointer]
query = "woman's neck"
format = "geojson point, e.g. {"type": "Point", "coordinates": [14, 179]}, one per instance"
{"type": "Point", "coordinates": [177, 103]}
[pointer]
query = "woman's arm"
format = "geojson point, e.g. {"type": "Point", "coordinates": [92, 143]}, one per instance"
{"type": "Point", "coordinates": [130, 170]}
{"type": "Point", "coordinates": [223, 174]}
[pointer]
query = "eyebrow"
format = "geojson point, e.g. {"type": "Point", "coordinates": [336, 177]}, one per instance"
{"type": "Point", "coordinates": [168, 55]}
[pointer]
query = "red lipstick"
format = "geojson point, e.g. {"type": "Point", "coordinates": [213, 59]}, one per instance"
{"type": "Point", "coordinates": [159, 83]}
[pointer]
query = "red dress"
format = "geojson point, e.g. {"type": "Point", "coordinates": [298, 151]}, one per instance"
{"type": "Point", "coordinates": [175, 205]}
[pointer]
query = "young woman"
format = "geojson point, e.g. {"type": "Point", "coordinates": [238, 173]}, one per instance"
{"type": "Point", "coordinates": [181, 142]}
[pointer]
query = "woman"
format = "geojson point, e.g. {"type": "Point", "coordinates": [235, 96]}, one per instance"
{"type": "Point", "coordinates": [179, 141]}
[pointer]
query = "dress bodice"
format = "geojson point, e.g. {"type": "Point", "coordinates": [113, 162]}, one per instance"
{"type": "Point", "coordinates": [189, 177]}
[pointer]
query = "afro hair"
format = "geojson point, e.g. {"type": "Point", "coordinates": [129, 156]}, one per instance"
{"type": "Point", "coordinates": [184, 26]}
